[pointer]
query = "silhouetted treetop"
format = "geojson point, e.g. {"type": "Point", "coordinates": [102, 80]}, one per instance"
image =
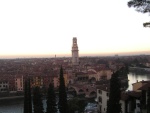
{"type": "Point", "coordinates": [142, 6]}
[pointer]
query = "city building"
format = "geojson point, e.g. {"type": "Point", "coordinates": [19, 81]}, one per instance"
{"type": "Point", "coordinates": [19, 83]}
{"type": "Point", "coordinates": [4, 86]}
{"type": "Point", "coordinates": [37, 81]}
{"type": "Point", "coordinates": [129, 100]}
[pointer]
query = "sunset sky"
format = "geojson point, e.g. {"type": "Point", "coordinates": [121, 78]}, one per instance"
{"type": "Point", "coordinates": [33, 28]}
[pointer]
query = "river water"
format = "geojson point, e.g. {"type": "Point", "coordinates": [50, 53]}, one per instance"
{"type": "Point", "coordinates": [16, 105]}
{"type": "Point", "coordinates": [137, 75]}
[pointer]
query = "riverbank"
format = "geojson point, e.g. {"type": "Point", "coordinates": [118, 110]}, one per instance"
{"type": "Point", "coordinates": [12, 97]}
{"type": "Point", "coordinates": [144, 68]}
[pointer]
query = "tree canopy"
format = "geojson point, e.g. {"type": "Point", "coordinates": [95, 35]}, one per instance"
{"type": "Point", "coordinates": [37, 101]}
{"type": "Point", "coordinates": [148, 100]}
{"type": "Point", "coordinates": [113, 105]}
{"type": "Point", "coordinates": [51, 100]}
{"type": "Point", "coordinates": [62, 104]}
{"type": "Point", "coordinates": [142, 6]}
{"type": "Point", "coordinates": [27, 97]}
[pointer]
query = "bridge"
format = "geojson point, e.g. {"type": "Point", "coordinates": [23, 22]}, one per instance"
{"type": "Point", "coordinates": [89, 90]}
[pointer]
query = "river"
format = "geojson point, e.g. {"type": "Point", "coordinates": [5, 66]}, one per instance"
{"type": "Point", "coordinates": [137, 75]}
{"type": "Point", "coordinates": [16, 105]}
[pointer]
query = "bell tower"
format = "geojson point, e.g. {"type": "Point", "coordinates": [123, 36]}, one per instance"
{"type": "Point", "coordinates": [75, 55]}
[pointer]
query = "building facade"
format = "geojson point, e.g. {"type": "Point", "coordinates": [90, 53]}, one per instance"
{"type": "Point", "coordinates": [19, 83]}
{"type": "Point", "coordinates": [4, 86]}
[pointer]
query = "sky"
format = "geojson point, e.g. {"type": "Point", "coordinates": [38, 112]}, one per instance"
{"type": "Point", "coordinates": [32, 28]}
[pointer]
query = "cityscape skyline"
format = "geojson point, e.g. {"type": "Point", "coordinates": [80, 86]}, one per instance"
{"type": "Point", "coordinates": [46, 28]}
{"type": "Point", "coordinates": [69, 55]}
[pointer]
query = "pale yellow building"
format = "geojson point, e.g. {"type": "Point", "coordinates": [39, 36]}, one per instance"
{"type": "Point", "coordinates": [19, 83]}
{"type": "Point", "coordinates": [37, 81]}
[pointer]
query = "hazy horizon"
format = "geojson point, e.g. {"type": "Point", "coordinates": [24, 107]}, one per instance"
{"type": "Point", "coordinates": [69, 55]}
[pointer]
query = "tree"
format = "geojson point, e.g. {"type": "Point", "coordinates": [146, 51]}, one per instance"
{"type": "Point", "coordinates": [62, 104]}
{"type": "Point", "coordinates": [73, 105]}
{"type": "Point", "coordinates": [142, 6]}
{"type": "Point", "coordinates": [37, 100]}
{"type": "Point", "coordinates": [51, 100]}
{"type": "Point", "coordinates": [113, 105]}
{"type": "Point", "coordinates": [27, 97]}
{"type": "Point", "coordinates": [148, 101]}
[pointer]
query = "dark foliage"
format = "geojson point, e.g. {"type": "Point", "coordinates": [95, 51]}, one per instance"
{"type": "Point", "coordinates": [113, 105]}
{"type": "Point", "coordinates": [73, 105]}
{"type": "Point", "coordinates": [148, 101]}
{"type": "Point", "coordinates": [37, 100]}
{"type": "Point", "coordinates": [141, 6]}
{"type": "Point", "coordinates": [62, 104]}
{"type": "Point", "coordinates": [76, 104]}
{"type": "Point", "coordinates": [27, 97]}
{"type": "Point", "coordinates": [143, 100]}
{"type": "Point", "coordinates": [51, 100]}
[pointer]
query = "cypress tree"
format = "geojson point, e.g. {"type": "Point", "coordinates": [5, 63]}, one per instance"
{"type": "Point", "coordinates": [113, 105]}
{"type": "Point", "coordinates": [148, 100]}
{"type": "Point", "coordinates": [30, 99]}
{"type": "Point", "coordinates": [51, 100]}
{"type": "Point", "coordinates": [27, 97]}
{"type": "Point", "coordinates": [37, 101]}
{"type": "Point", "coordinates": [62, 94]}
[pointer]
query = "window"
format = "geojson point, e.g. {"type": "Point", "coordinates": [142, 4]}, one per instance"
{"type": "Point", "coordinates": [107, 94]}
{"type": "Point", "coordinates": [100, 99]}
{"type": "Point", "coordinates": [100, 107]}
{"type": "Point", "coordinates": [99, 91]}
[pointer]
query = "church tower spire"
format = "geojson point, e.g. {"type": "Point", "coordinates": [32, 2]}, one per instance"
{"type": "Point", "coordinates": [75, 55]}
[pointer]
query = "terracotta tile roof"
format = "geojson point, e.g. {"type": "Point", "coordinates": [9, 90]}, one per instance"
{"type": "Point", "coordinates": [134, 94]}
{"type": "Point", "coordinates": [142, 82]}
{"type": "Point", "coordinates": [145, 87]}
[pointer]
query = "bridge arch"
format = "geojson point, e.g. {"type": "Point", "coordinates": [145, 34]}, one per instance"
{"type": "Point", "coordinates": [81, 92]}
{"type": "Point", "coordinates": [73, 91]}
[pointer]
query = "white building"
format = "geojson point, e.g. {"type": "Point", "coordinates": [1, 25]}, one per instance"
{"type": "Point", "coordinates": [75, 55]}
{"type": "Point", "coordinates": [126, 103]}
{"type": "Point", "coordinates": [4, 86]}
{"type": "Point", "coordinates": [102, 98]}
